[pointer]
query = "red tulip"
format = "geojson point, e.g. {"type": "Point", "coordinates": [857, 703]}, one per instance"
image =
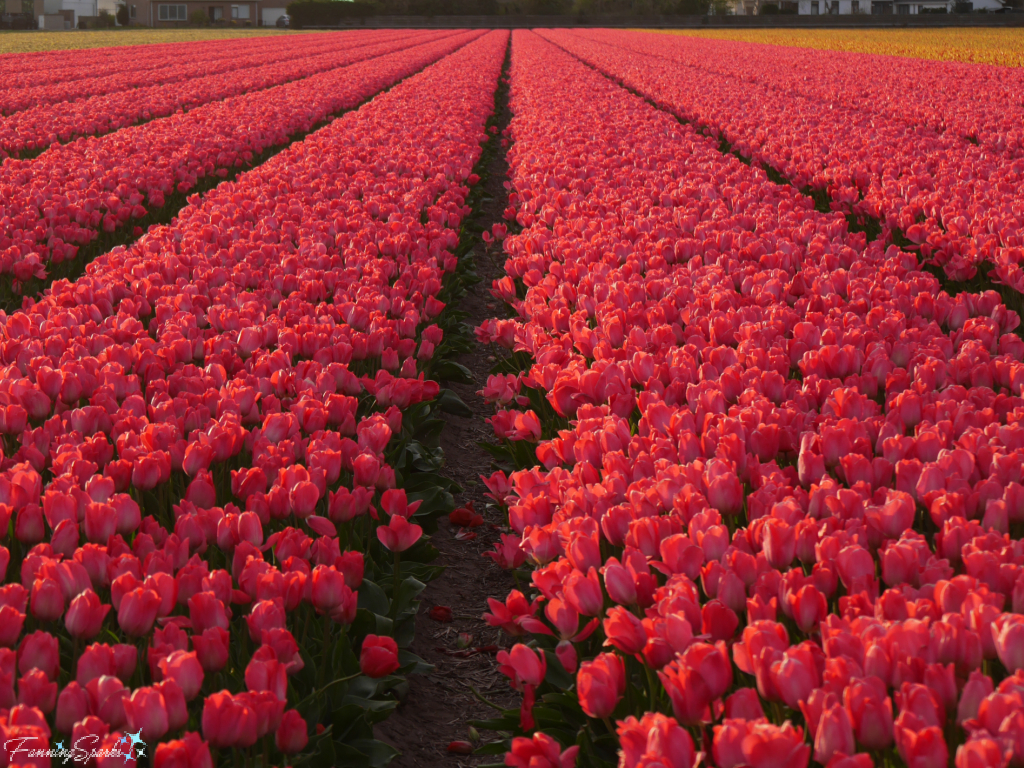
{"type": "Point", "coordinates": [85, 616]}
{"type": "Point", "coordinates": [1008, 634]}
{"type": "Point", "coordinates": [72, 705]}
{"type": "Point", "coordinates": [146, 711]}
{"type": "Point", "coordinates": [184, 668]}
{"type": "Point", "coordinates": [39, 651]}
{"type": "Point", "coordinates": [624, 631]}
{"type": "Point", "coordinates": [399, 534]}
{"type": "Point", "coordinates": [744, 704]}
{"type": "Point", "coordinates": [205, 610]}
{"type": "Point", "coordinates": [834, 734]}
{"type": "Point", "coordinates": [329, 591]}
{"type": "Point", "coordinates": [541, 751]}
{"type": "Point", "coordinates": [36, 690]}
{"type": "Point", "coordinates": [583, 592]}
{"type": "Point", "coordinates": [11, 622]}
{"type": "Point", "coordinates": [47, 600]}
{"type": "Point", "coordinates": [228, 721]}
{"type": "Point", "coordinates": [174, 701]}
{"type": "Point", "coordinates": [772, 746]}
{"type": "Point", "coordinates": [267, 675]}
{"type": "Point", "coordinates": [718, 621]}
{"type": "Point", "coordinates": [292, 734]}
{"type": "Point", "coordinates": [921, 746]}
{"type": "Point", "coordinates": [441, 613]}
{"type": "Point", "coordinates": [978, 687]}
{"type": "Point", "coordinates": [107, 695]}
{"type": "Point", "coordinates": [981, 752]}
{"type": "Point", "coordinates": [189, 751]}
{"type": "Point", "coordinates": [600, 684]}
{"type": "Point", "coordinates": [794, 676]}
{"type": "Point", "coordinates": [212, 647]}
{"type": "Point", "coordinates": [655, 740]}
{"type": "Point", "coordinates": [871, 712]}
{"type": "Point", "coordinates": [138, 611]}
{"type": "Point", "coordinates": [379, 656]}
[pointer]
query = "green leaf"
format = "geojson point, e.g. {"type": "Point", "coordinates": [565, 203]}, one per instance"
{"type": "Point", "coordinates": [557, 675]}
{"type": "Point", "coordinates": [449, 370]}
{"type": "Point", "coordinates": [408, 591]}
{"type": "Point", "coordinates": [429, 432]}
{"type": "Point", "coordinates": [449, 402]}
{"type": "Point", "coordinates": [494, 748]}
{"type": "Point", "coordinates": [411, 664]}
{"type": "Point", "coordinates": [378, 753]}
{"type": "Point", "coordinates": [373, 598]}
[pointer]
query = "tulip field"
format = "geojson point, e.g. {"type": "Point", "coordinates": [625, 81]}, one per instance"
{"type": "Point", "coordinates": [757, 373]}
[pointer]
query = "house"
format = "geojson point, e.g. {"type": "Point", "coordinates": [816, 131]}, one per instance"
{"type": "Point", "coordinates": [172, 13]}
{"type": "Point", "coordinates": [901, 7]}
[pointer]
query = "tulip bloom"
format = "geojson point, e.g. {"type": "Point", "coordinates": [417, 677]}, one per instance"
{"type": "Point", "coordinates": [184, 668]}
{"type": "Point", "coordinates": [600, 684]}
{"type": "Point", "coordinates": [146, 711]}
{"type": "Point", "coordinates": [834, 734]}
{"type": "Point", "coordinates": [138, 611]}
{"type": "Point", "coordinates": [212, 647]}
{"type": "Point", "coordinates": [871, 713]}
{"type": "Point", "coordinates": [655, 740]}
{"type": "Point", "coordinates": [72, 705]}
{"type": "Point", "coordinates": [190, 750]}
{"type": "Point", "coordinates": [292, 734]}
{"type": "Point", "coordinates": [228, 721]}
{"type": "Point", "coordinates": [399, 534]}
{"type": "Point", "coordinates": [541, 751]}
{"type": "Point", "coordinates": [379, 656]}
{"type": "Point", "coordinates": [329, 590]}
{"type": "Point", "coordinates": [1008, 635]}
{"type": "Point", "coordinates": [85, 616]}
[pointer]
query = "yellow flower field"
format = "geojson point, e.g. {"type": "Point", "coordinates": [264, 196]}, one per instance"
{"type": "Point", "coordinates": [1004, 47]}
{"type": "Point", "coordinates": [26, 42]}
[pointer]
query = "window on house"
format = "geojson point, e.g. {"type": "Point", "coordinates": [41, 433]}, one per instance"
{"type": "Point", "coordinates": [172, 13]}
{"type": "Point", "coordinates": [903, 10]}
{"type": "Point", "coordinates": [814, 8]}
{"type": "Point", "coordinates": [855, 6]}
{"type": "Point", "coordinates": [240, 12]}
{"type": "Point", "coordinates": [131, 11]}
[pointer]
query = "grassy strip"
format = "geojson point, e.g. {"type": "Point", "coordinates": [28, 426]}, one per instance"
{"type": "Point", "coordinates": [33, 41]}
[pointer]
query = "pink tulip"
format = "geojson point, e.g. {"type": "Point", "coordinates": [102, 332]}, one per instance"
{"type": "Point", "coordinates": [399, 534]}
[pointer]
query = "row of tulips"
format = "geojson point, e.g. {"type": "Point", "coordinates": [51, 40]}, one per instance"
{"type": "Point", "coordinates": [956, 203]}
{"type": "Point", "coordinates": [56, 65]}
{"type": "Point", "coordinates": [37, 128]}
{"type": "Point", "coordinates": [220, 451]}
{"type": "Point", "coordinates": [96, 191]}
{"type": "Point", "coordinates": [106, 76]}
{"type": "Point", "coordinates": [769, 487]}
{"type": "Point", "coordinates": [976, 102]}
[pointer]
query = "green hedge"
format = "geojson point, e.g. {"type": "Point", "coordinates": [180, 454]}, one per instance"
{"type": "Point", "coordinates": [307, 13]}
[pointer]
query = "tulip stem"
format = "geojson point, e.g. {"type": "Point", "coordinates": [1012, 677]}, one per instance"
{"type": "Point", "coordinates": [608, 724]}
{"type": "Point", "coordinates": [652, 688]}
{"type": "Point", "coordinates": [327, 687]}
{"type": "Point", "coordinates": [305, 627]}
{"type": "Point", "coordinates": [481, 697]}
{"type": "Point", "coordinates": [397, 584]}
{"type": "Point", "coordinates": [326, 650]}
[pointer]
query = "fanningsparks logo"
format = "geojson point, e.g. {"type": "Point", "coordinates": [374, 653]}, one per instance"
{"type": "Point", "coordinates": [129, 747]}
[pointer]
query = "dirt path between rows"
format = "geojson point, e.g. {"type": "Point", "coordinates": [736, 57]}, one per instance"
{"type": "Point", "coordinates": [440, 705]}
